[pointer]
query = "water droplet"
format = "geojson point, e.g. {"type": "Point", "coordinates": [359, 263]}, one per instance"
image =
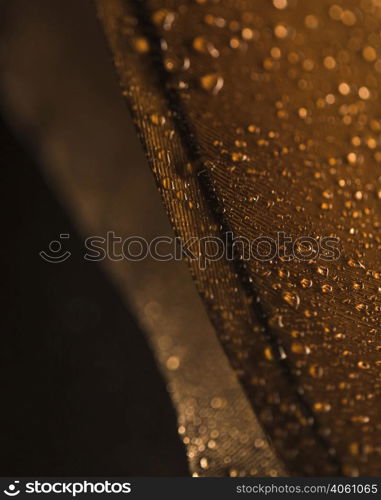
{"type": "Point", "coordinates": [311, 21]}
{"type": "Point", "coordinates": [291, 298]}
{"type": "Point", "coordinates": [298, 348]}
{"type": "Point", "coordinates": [329, 62]}
{"type": "Point", "coordinates": [322, 270]}
{"type": "Point", "coordinates": [157, 119]}
{"type": "Point", "coordinates": [164, 18]}
{"type": "Point", "coordinates": [344, 88]}
{"type": "Point", "coordinates": [364, 93]}
{"type": "Point", "coordinates": [357, 285]}
{"type": "Point", "coordinates": [316, 371]}
{"type": "Point", "coordinates": [321, 407]}
{"type": "Point", "coordinates": [174, 64]}
{"type": "Point", "coordinates": [173, 363]}
{"type": "Point", "coordinates": [202, 45]}
{"type": "Point", "coordinates": [364, 365]}
{"type": "Point", "coordinates": [280, 4]}
{"type": "Point", "coordinates": [348, 18]}
{"type": "Point", "coordinates": [360, 419]}
{"type": "Point", "coordinates": [268, 354]}
{"type": "Point", "coordinates": [280, 31]}
{"type": "Point", "coordinates": [141, 44]}
{"type": "Point", "coordinates": [247, 34]}
{"type": "Point", "coordinates": [302, 112]}
{"type": "Point", "coordinates": [306, 283]}
{"type": "Point", "coordinates": [238, 156]}
{"type": "Point", "coordinates": [166, 183]}
{"type": "Point", "coordinates": [369, 53]}
{"type": "Point", "coordinates": [212, 82]}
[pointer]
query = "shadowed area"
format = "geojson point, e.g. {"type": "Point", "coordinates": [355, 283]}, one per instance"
{"type": "Point", "coordinates": [81, 394]}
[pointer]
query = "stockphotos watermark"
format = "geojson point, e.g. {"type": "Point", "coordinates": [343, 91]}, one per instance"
{"type": "Point", "coordinates": [203, 250]}
{"type": "Point", "coordinates": [71, 488]}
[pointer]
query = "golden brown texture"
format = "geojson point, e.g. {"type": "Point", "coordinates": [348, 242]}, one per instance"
{"type": "Point", "coordinates": [260, 120]}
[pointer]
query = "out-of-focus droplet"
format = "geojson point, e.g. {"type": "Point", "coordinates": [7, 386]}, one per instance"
{"type": "Point", "coordinates": [281, 31]}
{"type": "Point", "coordinates": [369, 53]}
{"type": "Point", "coordinates": [352, 158]}
{"type": "Point", "coordinates": [157, 119]}
{"type": "Point", "coordinates": [174, 64]}
{"type": "Point", "coordinates": [247, 34]}
{"type": "Point", "coordinates": [360, 419]}
{"type": "Point", "coordinates": [166, 183]}
{"type": "Point", "coordinates": [364, 365]}
{"type": "Point", "coordinates": [268, 354]}
{"type": "Point", "coordinates": [280, 4]}
{"type": "Point", "coordinates": [298, 348]}
{"type": "Point", "coordinates": [204, 46]}
{"type": "Point", "coordinates": [348, 18]}
{"type": "Point", "coordinates": [141, 44]}
{"type": "Point", "coordinates": [316, 371]}
{"type": "Point", "coordinates": [212, 83]}
{"type": "Point", "coordinates": [335, 12]}
{"type": "Point", "coordinates": [321, 407]}
{"type": "Point", "coordinates": [329, 62]}
{"type": "Point", "coordinates": [344, 88]}
{"type": "Point", "coordinates": [364, 93]}
{"type": "Point", "coordinates": [302, 112]}
{"type": "Point", "coordinates": [164, 18]}
{"type": "Point", "coordinates": [238, 156]}
{"type": "Point", "coordinates": [173, 363]}
{"type": "Point", "coordinates": [311, 21]}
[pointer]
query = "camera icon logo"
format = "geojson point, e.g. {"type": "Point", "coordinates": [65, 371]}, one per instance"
{"type": "Point", "coordinates": [56, 253]}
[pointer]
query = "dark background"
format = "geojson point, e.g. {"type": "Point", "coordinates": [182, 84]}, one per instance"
{"type": "Point", "coordinates": [80, 391]}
